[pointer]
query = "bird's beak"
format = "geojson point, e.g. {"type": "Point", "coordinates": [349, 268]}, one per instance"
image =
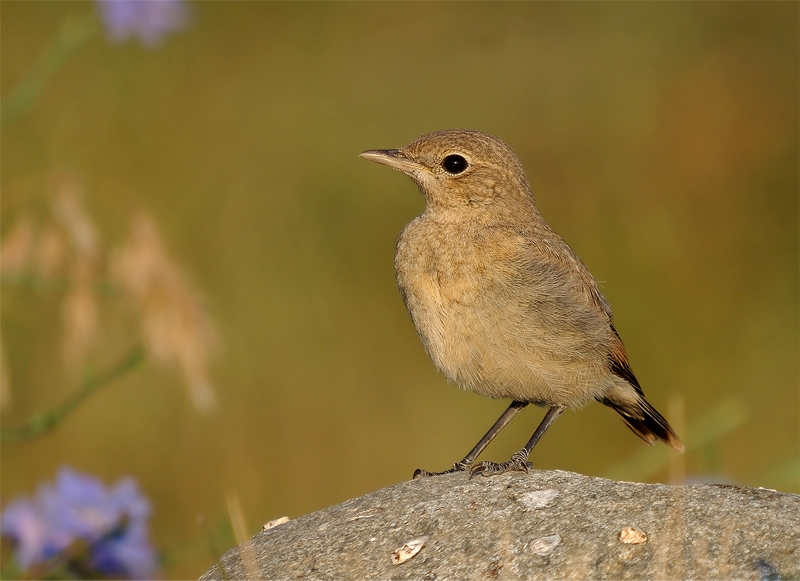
{"type": "Point", "coordinates": [394, 158]}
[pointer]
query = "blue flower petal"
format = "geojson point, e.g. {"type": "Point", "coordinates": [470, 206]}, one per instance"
{"type": "Point", "coordinates": [148, 20]}
{"type": "Point", "coordinates": [113, 522]}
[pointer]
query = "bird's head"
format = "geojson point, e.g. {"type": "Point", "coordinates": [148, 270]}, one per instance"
{"type": "Point", "coordinates": [458, 168]}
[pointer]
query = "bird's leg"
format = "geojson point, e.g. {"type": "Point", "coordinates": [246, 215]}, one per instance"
{"type": "Point", "coordinates": [519, 461]}
{"type": "Point", "coordinates": [466, 463]}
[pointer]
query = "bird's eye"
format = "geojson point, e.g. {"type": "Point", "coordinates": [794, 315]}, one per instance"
{"type": "Point", "coordinates": [454, 164]}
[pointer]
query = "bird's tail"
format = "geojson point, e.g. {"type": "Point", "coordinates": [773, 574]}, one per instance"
{"type": "Point", "coordinates": [640, 416]}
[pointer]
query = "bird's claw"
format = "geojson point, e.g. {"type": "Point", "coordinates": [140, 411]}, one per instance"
{"type": "Point", "coordinates": [517, 463]}
{"type": "Point", "coordinates": [457, 467]}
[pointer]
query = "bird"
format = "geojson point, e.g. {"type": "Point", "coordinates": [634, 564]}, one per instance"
{"type": "Point", "coordinates": [502, 304]}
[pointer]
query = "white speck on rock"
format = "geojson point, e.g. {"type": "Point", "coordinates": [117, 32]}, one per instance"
{"type": "Point", "coordinates": [274, 523]}
{"type": "Point", "coordinates": [538, 498]}
{"type": "Point", "coordinates": [408, 550]}
{"type": "Point", "coordinates": [632, 536]}
{"type": "Point", "coordinates": [543, 546]}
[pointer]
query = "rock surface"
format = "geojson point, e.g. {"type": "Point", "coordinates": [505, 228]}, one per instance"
{"type": "Point", "coordinates": [542, 525]}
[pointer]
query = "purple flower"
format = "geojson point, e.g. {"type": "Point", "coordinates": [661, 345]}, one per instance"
{"type": "Point", "coordinates": [112, 523]}
{"type": "Point", "coordinates": [148, 20]}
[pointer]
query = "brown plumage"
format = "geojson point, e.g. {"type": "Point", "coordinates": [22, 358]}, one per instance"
{"type": "Point", "coordinates": [502, 304]}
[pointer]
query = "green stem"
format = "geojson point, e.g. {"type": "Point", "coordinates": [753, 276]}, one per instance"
{"type": "Point", "coordinates": [73, 34]}
{"type": "Point", "coordinates": [42, 423]}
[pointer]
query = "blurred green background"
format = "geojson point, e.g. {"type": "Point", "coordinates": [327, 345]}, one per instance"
{"type": "Point", "coordinates": [660, 140]}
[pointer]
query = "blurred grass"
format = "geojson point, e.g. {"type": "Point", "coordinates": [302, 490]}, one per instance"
{"type": "Point", "coordinates": [706, 430]}
{"type": "Point", "coordinates": [660, 139]}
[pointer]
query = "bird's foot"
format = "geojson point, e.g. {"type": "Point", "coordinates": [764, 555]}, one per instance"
{"type": "Point", "coordinates": [457, 467]}
{"type": "Point", "coordinates": [517, 463]}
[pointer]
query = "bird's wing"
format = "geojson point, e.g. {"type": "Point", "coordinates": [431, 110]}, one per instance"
{"type": "Point", "coordinates": [619, 365]}
{"type": "Point", "coordinates": [551, 248]}
{"type": "Point", "coordinates": [551, 253]}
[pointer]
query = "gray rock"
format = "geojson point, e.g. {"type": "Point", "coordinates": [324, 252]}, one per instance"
{"type": "Point", "coordinates": [543, 525]}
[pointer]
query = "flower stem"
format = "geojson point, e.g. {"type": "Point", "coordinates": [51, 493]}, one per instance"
{"type": "Point", "coordinates": [45, 422]}
{"type": "Point", "coordinates": [73, 34]}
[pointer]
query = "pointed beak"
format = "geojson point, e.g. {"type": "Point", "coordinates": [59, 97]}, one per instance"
{"type": "Point", "coordinates": [394, 158]}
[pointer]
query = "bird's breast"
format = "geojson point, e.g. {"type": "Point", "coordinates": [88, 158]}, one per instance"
{"type": "Point", "coordinates": [486, 317]}
{"type": "Point", "coordinates": [451, 282]}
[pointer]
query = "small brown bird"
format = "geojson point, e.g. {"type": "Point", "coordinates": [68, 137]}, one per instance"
{"type": "Point", "coordinates": [502, 304]}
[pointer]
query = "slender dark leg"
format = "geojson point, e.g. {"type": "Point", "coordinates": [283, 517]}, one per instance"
{"type": "Point", "coordinates": [519, 461]}
{"type": "Point", "coordinates": [465, 464]}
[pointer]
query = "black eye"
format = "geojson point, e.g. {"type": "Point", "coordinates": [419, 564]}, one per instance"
{"type": "Point", "coordinates": [454, 164]}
